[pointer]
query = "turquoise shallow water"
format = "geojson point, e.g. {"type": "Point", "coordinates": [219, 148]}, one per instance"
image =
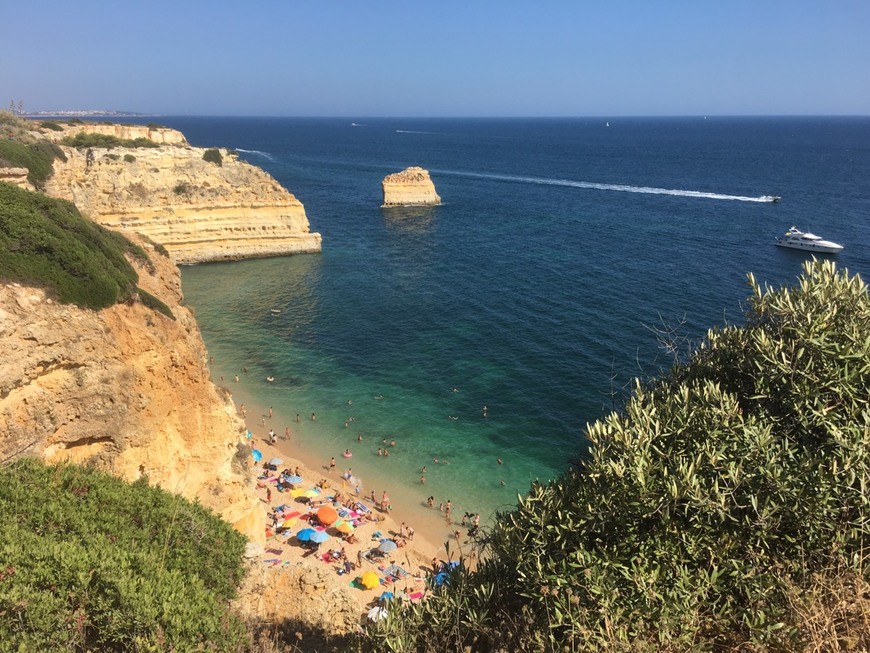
{"type": "Point", "coordinates": [535, 289]}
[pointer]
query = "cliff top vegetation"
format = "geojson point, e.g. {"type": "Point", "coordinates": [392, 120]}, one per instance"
{"type": "Point", "coordinates": [46, 242]}
{"type": "Point", "coordinates": [93, 563]}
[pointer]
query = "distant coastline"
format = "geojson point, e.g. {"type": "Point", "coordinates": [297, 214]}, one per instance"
{"type": "Point", "coordinates": [84, 113]}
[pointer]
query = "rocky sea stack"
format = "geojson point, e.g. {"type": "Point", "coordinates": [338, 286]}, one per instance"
{"type": "Point", "coordinates": [410, 187]}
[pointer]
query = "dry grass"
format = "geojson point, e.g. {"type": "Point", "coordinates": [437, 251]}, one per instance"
{"type": "Point", "coordinates": [833, 614]}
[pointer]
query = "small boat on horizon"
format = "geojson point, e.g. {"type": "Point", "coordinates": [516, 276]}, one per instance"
{"type": "Point", "coordinates": [796, 239]}
{"type": "Point", "coordinates": [771, 198]}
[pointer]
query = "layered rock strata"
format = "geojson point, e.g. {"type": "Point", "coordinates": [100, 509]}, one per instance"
{"type": "Point", "coordinates": [16, 176]}
{"type": "Point", "coordinates": [199, 210]}
{"type": "Point", "coordinates": [411, 187]}
{"type": "Point", "coordinates": [125, 388]}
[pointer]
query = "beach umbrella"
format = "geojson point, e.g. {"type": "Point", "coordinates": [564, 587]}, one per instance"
{"type": "Point", "coordinates": [257, 455]}
{"type": "Point", "coordinates": [377, 612]}
{"type": "Point", "coordinates": [293, 479]}
{"type": "Point", "coordinates": [344, 527]}
{"type": "Point", "coordinates": [387, 545]}
{"type": "Point", "coordinates": [305, 534]}
{"type": "Point", "coordinates": [386, 596]}
{"type": "Point", "coordinates": [319, 537]}
{"type": "Point", "coordinates": [297, 492]}
{"type": "Point", "coordinates": [276, 461]}
{"type": "Point", "coordinates": [288, 522]}
{"type": "Point", "coordinates": [327, 515]}
{"type": "Point", "coordinates": [311, 493]}
{"type": "Point", "coordinates": [370, 580]}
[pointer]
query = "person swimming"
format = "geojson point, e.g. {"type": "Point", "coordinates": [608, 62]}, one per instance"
{"type": "Point", "coordinates": [270, 379]}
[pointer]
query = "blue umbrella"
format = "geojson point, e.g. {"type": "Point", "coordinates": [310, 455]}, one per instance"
{"type": "Point", "coordinates": [387, 545]}
{"type": "Point", "coordinates": [293, 480]}
{"type": "Point", "coordinates": [257, 455]}
{"type": "Point", "coordinates": [305, 534]}
{"type": "Point", "coordinates": [319, 536]}
{"type": "Point", "coordinates": [276, 461]}
{"type": "Point", "coordinates": [386, 596]}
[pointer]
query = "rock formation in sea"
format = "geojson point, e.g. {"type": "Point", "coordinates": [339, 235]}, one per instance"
{"type": "Point", "coordinates": [411, 187]}
{"type": "Point", "coordinates": [201, 204]}
{"type": "Point", "coordinates": [126, 388]}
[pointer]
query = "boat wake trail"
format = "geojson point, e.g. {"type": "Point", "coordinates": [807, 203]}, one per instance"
{"type": "Point", "coordinates": [265, 155]}
{"type": "Point", "coordinates": [624, 188]}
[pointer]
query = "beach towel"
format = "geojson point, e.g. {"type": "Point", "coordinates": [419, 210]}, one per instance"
{"type": "Point", "coordinates": [363, 508]}
{"type": "Point", "coordinates": [415, 596]}
{"type": "Point", "coordinates": [396, 571]}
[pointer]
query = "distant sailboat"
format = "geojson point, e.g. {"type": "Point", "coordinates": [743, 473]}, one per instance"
{"type": "Point", "coordinates": [607, 124]}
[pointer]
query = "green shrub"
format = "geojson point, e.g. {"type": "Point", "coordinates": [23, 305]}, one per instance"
{"type": "Point", "coordinates": [213, 155]}
{"type": "Point", "coordinates": [154, 303]}
{"type": "Point", "coordinates": [84, 139]}
{"type": "Point", "coordinates": [113, 157]}
{"type": "Point", "coordinates": [46, 242]}
{"type": "Point", "coordinates": [721, 491]}
{"type": "Point", "coordinates": [92, 563]}
{"type": "Point", "coordinates": [51, 124]}
{"type": "Point", "coordinates": [37, 157]}
{"type": "Point", "coordinates": [129, 158]}
{"type": "Point", "coordinates": [181, 188]}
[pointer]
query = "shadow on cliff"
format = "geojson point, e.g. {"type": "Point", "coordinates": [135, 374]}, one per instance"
{"type": "Point", "coordinates": [294, 636]}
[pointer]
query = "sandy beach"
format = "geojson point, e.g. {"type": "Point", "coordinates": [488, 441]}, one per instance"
{"type": "Point", "coordinates": [403, 570]}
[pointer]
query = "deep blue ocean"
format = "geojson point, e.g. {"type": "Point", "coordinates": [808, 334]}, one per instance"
{"type": "Point", "coordinates": [537, 289]}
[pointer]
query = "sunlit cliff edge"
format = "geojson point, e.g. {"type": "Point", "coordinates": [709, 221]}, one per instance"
{"type": "Point", "coordinates": [198, 209]}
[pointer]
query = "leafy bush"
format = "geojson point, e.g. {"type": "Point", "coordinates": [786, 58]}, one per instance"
{"type": "Point", "coordinates": [720, 492]}
{"type": "Point", "coordinates": [37, 157]}
{"type": "Point", "coordinates": [93, 563]}
{"type": "Point", "coordinates": [129, 158]}
{"type": "Point", "coordinates": [154, 303]}
{"type": "Point", "coordinates": [51, 124]}
{"type": "Point", "coordinates": [213, 155]}
{"type": "Point", "coordinates": [46, 242]}
{"type": "Point", "coordinates": [83, 139]}
{"type": "Point", "coordinates": [181, 188]}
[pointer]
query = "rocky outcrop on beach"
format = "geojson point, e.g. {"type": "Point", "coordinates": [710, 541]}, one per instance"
{"type": "Point", "coordinates": [125, 388]}
{"type": "Point", "coordinates": [201, 204]}
{"type": "Point", "coordinates": [304, 593]}
{"type": "Point", "coordinates": [411, 187]}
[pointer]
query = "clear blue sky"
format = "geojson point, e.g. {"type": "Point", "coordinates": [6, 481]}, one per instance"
{"type": "Point", "coordinates": [438, 58]}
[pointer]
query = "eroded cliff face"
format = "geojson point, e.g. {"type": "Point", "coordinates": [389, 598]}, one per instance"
{"type": "Point", "coordinates": [411, 187]}
{"type": "Point", "coordinates": [125, 388]}
{"type": "Point", "coordinates": [199, 210]}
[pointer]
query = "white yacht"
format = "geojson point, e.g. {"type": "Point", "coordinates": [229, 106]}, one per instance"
{"type": "Point", "coordinates": [805, 240]}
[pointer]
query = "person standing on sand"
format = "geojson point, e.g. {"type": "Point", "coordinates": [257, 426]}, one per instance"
{"type": "Point", "coordinates": [270, 412]}
{"type": "Point", "coordinates": [286, 432]}
{"type": "Point", "coordinates": [268, 495]}
{"type": "Point", "coordinates": [332, 463]}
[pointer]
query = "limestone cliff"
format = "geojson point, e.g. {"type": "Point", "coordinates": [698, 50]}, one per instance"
{"type": "Point", "coordinates": [126, 388]}
{"type": "Point", "coordinates": [199, 210]}
{"type": "Point", "coordinates": [410, 187]}
{"type": "Point", "coordinates": [17, 176]}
